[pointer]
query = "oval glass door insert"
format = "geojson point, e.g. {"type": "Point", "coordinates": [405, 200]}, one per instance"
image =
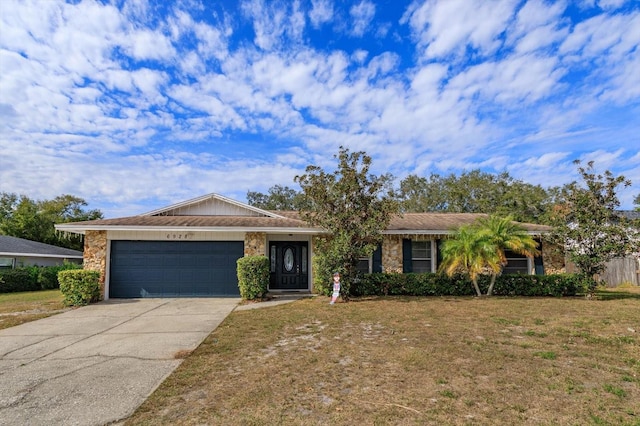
{"type": "Point", "coordinates": [288, 259]}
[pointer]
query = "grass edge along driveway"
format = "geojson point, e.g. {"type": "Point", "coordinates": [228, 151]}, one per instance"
{"type": "Point", "coordinates": [22, 307]}
{"type": "Point", "coordinates": [413, 361]}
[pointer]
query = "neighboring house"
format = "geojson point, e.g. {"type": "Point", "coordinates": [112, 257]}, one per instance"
{"type": "Point", "coordinates": [191, 248]}
{"type": "Point", "coordinates": [15, 252]}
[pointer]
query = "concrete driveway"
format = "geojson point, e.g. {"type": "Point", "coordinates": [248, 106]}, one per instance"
{"type": "Point", "coordinates": [96, 364]}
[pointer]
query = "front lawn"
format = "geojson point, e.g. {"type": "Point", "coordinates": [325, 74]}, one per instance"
{"type": "Point", "coordinates": [18, 308]}
{"type": "Point", "coordinates": [413, 361]}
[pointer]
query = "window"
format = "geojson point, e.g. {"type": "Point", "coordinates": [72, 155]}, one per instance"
{"type": "Point", "coordinates": [372, 264]}
{"type": "Point", "coordinates": [516, 263]}
{"type": "Point", "coordinates": [304, 259]}
{"type": "Point", "coordinates": [364, 265]}
{"type": "Point", "coordinates": [6, 262]}
{"type": "Point", "coordinates": [421, 256]}
{"type": "Point", "coordinates": [273, 258]}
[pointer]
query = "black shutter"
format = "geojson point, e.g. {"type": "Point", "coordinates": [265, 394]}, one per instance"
{"type": "Point", "coordinates": [438, 254]}
{"type": "Point", "coordinates": [407, 265]}
{"type": "Point", "coordinates": [377, 260]}
{"type": "Point", "coordinates": [537, 262]}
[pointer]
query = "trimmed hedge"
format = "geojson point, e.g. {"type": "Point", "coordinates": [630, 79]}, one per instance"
{"type": "Point", "coordinates": [253, 276]}
{"type": "Point", "coordinates": [33, 278]}
{"type": "Point", "coordinates": [20, 279]}
{"type": "Point", "coordinates": [430, 284]}
{"type": "Point", "coordinates": [79, 286]}
{"type": "Point", "coordinates": [48, 276]}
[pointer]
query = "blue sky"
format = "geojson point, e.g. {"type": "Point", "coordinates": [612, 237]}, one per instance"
{"type": "Point", "coordinates": [134, 105]}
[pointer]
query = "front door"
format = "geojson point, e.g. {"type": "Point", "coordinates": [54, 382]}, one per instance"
{"type": "Point", "coordinates": [289, 265]}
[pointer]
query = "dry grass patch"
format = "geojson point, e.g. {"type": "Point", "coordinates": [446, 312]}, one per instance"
{"type": "Point", "coordinates": [413, 361]}
{"type": "Point", "coordinates": [18, 308]}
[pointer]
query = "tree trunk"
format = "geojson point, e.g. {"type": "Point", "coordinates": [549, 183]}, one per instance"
{"type": "Point", "coordinates": [493, 281]}
{"type": "Point", "coordinates": [475, 285]}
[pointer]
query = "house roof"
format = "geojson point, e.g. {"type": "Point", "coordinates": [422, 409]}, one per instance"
{"type": "Point", "coordinates": [196, 223]}
{"type": "Point", "coordinates": [283, 222]}
{"type": "Point", "coordinates": [209, 203]}
{"type": "Point", "coordinates": [13, 246]}
{"type": "Point", "coordinates": [214, 212]}
{"type": "Point", "coordinates": [630, 214]}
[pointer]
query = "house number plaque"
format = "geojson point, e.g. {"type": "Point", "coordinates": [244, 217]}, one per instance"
{"type": "Point", "coordinates": [180, 236]}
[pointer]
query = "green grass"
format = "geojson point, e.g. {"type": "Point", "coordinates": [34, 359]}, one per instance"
{"type": "Point", "coordinates": [411, 361]}
{"type": "Point", "coordinates": [18, 308]}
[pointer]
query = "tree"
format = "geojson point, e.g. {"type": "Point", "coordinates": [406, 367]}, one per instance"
{"type": "Point", "coordinates": [505, 234]}
{"type": "Point", "coordinates": [471, 251]}
{"type": "Point", "coordinates": [25, 218]}
{"type": "Point", "coordinates": [586, 222]}
{"type": "Point", "coordinates": [475, 192]}
{"type": "Point", "coordinates": [353, 206]}
{"type": "Point", "coordinates": [636, 201]}
{"type": "Point", "coordinates": [278, 198]}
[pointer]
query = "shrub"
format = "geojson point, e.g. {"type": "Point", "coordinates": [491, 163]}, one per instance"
{"type": "Point", "coordinates": [48, 275]}
{"type": "Point", "coordinates": [20, 279]}
{"type": "Point", "coordinates": [429, 284]}
{"type": "Point", "coordinates": [79, 286]}
{"type": "Point", "coordinates": [253, 276]}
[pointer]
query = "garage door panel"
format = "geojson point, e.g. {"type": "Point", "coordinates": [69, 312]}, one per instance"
{"type": "Point", "coordinates": [174, 269]}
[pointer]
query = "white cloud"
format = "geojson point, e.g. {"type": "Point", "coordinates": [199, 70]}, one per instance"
{"type": "Point", "coordinates": [273, 21]}
{"type": "Point", "coordinates": [321, 12]}
{"type": "Point", "coordinates": [183, 98]}
{"type": "Point", "coordinates": [516, 79]}
{"type": "Point", "coordinates": [362, 15]}
{"type": "Point", "coordinates": [143, 45]}
{"type": "Point", "coordinates": [448, 27]}
{"type": "Point", "coordinates": [611, 4]}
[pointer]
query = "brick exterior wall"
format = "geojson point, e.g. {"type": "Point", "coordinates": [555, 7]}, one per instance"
{"type": "Point", "coordinates": [95, 255]}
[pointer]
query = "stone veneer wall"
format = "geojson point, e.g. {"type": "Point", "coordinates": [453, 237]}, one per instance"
{"type": "Point", "coordinates": [553, 259]}
{"type": "Point", "coordinates": [392, 250]}
{"type": "Point", "coordinates": [392, 254]}
{"type": "Point", "coordinates": [255, 244]}
{"type": "Point", "coordinates": [95, 255]}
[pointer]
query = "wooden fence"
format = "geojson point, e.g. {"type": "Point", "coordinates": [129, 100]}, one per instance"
{"type": "Point", "coordinates": [622, 271]}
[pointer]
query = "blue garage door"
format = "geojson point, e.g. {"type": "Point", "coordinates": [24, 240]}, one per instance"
{"type": "Point", "coordinates": [174, 268]}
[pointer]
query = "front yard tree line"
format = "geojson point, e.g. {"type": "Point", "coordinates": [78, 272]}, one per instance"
{"type": "Point", "coordinates": [583, 216]}
{"type": "Point", "coordinates": [587, 225]}
{"type": "Point", "coordinates": [354, 206]}
{"type": "Point", "coordinates": [34, 220]}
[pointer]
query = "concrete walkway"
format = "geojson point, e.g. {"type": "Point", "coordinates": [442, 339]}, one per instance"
{"type": "Point", "coordinates": [96, 364]}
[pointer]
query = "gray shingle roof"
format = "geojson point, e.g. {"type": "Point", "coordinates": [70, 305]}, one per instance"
{"type": "Point", "coordinates": [14, 246]}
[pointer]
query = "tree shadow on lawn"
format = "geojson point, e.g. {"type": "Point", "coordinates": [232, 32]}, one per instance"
{"type": "Point", "coordinates": [617, 294]}
{"type": "Point", "coordinates": [603, 295]}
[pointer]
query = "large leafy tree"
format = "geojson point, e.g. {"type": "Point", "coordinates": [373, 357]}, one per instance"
{"type": "Point", "coordinates": [475, 192]}
{"type": "Point", "coordinates": [353, 206]}
{"type": "Point", "coordinates": [278, 197]}
{"type": "Point", "coordinates": [586, 222]}
{"type": "Point", "coordinates": [505, 234]}
{"type": "Point", "coordinates": [22, 217]}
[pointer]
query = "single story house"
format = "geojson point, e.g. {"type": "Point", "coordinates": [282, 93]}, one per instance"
{"type": "Point", "coordinates": [15, 252]}
{"type": "Point", "coordinates": [190, 249]}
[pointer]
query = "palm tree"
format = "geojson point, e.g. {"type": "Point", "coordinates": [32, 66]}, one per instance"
{"type": "Point", "coordinates": [472, 251]}
{"type": "Point", "coordinates": [505, 234]}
